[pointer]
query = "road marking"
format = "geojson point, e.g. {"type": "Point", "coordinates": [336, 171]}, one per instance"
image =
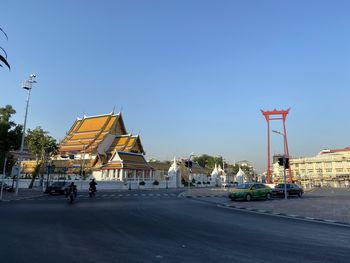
{"type": "Point", "coordinates": [293, 217]}
{"type": "Point", "coordinates": [330, 221]}
{"type": "Point", "coordinates": [311, 218]}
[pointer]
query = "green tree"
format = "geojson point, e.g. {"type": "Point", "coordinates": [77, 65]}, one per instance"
{"type": "Point", "coordinates": [3, 58]}
{"type": "Point", "coordinates": [10, 136]}
{"type": "Point", "coordinates": [42, 146]}
{"type": "Point", "coordinates": [207, 161]}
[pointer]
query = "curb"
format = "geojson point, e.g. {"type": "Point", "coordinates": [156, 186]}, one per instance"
{"type": "Point", "coordinates": [204, 196]}
{"type": "Point", "coordinates": [290, 216]}
{"type": "Point", "coordinates": [272, 213]}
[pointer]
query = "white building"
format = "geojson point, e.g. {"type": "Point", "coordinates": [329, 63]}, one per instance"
{"type": "Point", "coordinates": [327, 168]}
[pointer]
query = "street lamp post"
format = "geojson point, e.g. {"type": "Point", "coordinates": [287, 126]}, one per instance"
{"type": "Point", "coordinates": [3, 178]}
{"type": "Point", "coordinates": [48, 174]}
{"type": "Point", "coordinates": [82, 164]}
{"type": "Point", "coordinates": [284, 162]}
{"type": "Point", "coordinates": [27, 85]}
{"type": "Point", "coordinates": [189, 173]}
{"type": "Point", "coordinates": [167, 180]}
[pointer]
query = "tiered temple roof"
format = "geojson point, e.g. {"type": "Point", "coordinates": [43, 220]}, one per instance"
{"type": "Point", "coordinates": [129, 161]}
{"type": "Point", "coordinates": [86, 135]}
{"type": "Point", "coordinates": [127, 143]}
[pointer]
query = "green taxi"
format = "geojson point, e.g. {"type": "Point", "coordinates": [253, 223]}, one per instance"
{"type": "Point", "coordinates": [250, 191]}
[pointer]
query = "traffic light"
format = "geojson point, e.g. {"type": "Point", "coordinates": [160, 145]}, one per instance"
{"type": "Point", "coordinates": [280, 161]}
{"type": "Point", "coordinates": [188, 164]}
{"type": "Point", "coordinates": [286, 164]}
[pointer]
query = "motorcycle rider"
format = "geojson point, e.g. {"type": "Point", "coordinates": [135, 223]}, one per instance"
{"type": "Point", "coordinates": [92, 186]}
{"type": "Point", "coordinates": [72, 188]}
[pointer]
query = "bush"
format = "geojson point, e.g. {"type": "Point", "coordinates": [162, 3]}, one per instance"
{"type": "Point", "coordinates": [142, 183]}
{"type": "Point", "coordinates": [208, 182]}
{"type": "Point", "coordinates": [155, 182]}
{"type": "Point", "coordinates": [199, 183]}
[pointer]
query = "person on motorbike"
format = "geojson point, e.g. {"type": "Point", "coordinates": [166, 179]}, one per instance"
{"type": "Point", "coordinates": [72, 188]}
{"type": "Point", "coordinates": [92, 187]}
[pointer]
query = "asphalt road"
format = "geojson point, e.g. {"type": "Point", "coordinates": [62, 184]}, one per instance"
{"type": "Point", "coordinates": [159, 227]}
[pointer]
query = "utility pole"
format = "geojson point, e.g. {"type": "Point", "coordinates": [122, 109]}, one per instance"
{"type": "Point", "coordinates": [284, 162]}
{"type": "Point", "coordinates": [3, 178]}
{"type": "Point", "coordinates": [27, 85]}
{"type": "Point", "coordinates": [189, 172]}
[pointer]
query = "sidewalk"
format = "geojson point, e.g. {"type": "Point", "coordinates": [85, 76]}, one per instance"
{"type": "Point", "coordinates": [331, 205]}
{"type": "Point", "coordinates": [22, 194]}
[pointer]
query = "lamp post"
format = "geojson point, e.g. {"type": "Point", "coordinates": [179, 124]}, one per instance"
{"type": "Point", "coordinates": [189, 172]}
{"type": "Point", "coordinates": [226, 174]}
{"type": "Point", "coordinates": [284, 162]}
{"type": "Point", "coordinates": [166, 181]}
{"type": "Point", "coordinates": [82, 165]}
{"type": "Point", "coordinates": [3, 178]}
{"type": "Point", "coordinates": [27, 85]}
{"type": "Point", "coordinates": [48, 167]}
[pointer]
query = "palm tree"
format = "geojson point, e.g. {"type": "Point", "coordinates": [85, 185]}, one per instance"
{"type": "Point", "coordinates": [3, 59]}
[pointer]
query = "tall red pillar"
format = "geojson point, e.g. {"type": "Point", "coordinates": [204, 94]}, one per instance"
{"type": "Point", "coordinates": [271, 116]}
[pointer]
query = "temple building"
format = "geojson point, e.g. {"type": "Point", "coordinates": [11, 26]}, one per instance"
{"type": "Point", "coordinates": [100, 147]}
{"type": "Point", "coordinates": [176, 174]}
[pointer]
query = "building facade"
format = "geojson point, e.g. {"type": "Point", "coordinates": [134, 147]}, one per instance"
{"type": "Point", "coordinates": [327, 168]}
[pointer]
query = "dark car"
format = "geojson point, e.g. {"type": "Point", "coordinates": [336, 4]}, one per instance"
{"type": "Point", "coordinates": [292, 189]}
{"type": "Point", "coordinates": [6, 187]}
{"type": "Point", "coordinates": [58, 188]}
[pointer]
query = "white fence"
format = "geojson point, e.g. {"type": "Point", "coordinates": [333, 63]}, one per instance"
{"type": "Point", "coordinates": [102, 185]}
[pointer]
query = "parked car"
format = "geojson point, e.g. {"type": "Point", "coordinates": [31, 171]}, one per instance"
{"type": "Point", "coordinates": [6, 187]}
{"type": "Point", "coordinates": [58, 188]}
{"type": "Point", "coordinates": [250, 191]}
{"type": "Point", "coordinates": [292, 189]}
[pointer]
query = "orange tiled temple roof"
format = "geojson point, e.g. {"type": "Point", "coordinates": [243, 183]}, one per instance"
{"type": "Point", "coordinates": [86, 134]}
{"type": "Point", "coordinates": [131, 161]}
{"type": "Point", "coordinates": [127, 143]}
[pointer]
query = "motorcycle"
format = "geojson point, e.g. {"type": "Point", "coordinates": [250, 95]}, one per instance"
{"type": "Point", "coordinates": [92, 192]}
{"type": "Point", "coordinates": [71, 195]}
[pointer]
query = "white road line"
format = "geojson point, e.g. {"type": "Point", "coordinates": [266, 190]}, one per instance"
{"type": "Point", "coordinates": [330, 221]}
{"type": "Point", "coordinates": [311, 218]}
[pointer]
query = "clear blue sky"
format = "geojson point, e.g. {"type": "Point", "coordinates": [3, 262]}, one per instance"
{"type": "Point", "coordinates": [191, 76]}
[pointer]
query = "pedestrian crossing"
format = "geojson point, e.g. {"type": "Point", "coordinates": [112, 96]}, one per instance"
{"type": "Point", "coordinates": [108, 196]}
